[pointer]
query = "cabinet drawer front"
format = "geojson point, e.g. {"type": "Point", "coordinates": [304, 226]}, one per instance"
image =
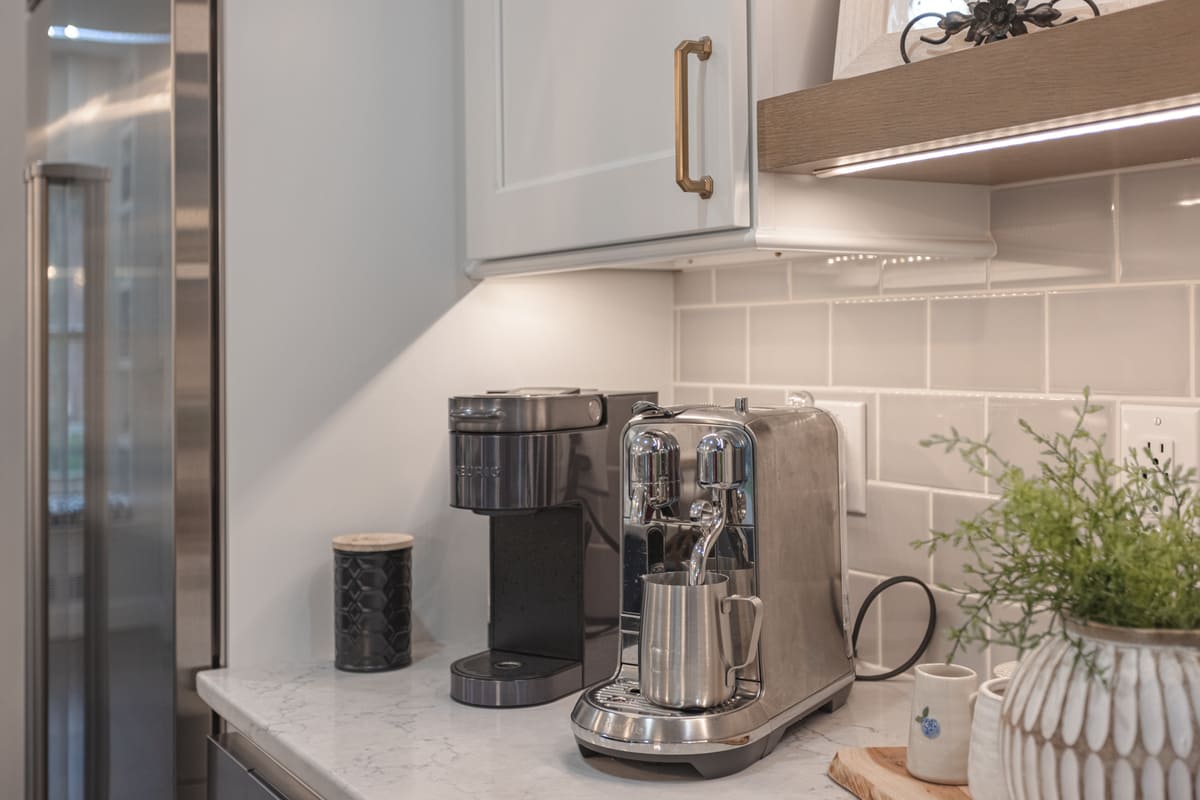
{"type": "Point", "coordinates": [570, 127]}
{"type": "Point", "coordinates": [238, 770]}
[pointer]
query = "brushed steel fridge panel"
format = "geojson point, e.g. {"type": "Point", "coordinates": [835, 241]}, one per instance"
{"type": "Point", "coordinates": [148, 610]}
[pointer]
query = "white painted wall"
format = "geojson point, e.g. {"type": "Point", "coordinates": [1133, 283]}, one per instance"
{"type": "Point", "coordinates": [348, 323]}
{"type": "Point", "coordinates": [12, 394]}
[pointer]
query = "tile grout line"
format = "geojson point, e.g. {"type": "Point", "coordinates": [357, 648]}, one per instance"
{"type": "Point", "coordinates": [829, 344]}
{"type": "Point", "coordinates": [925, 487]}
{"type": "Point", "coordinates": [928, 343]}
{"type": "Point", "coordinates": [678, 349]}
{"type": "Point", "coordinates": [1115, 212]}
{"type": "Point", "coordinates": [878, 438]}
{"type": "Point", "coordinates": [746, 322]}
{"type": "Point", "coordinates": [910, 391]}
{"type": "Point", "coordinates": [1046, 343]}
{"type": "Point", "coordinates": [1118, 430]}
{"type": "Point", "coordinates": [928, 530]}
{"type": "Point", "coordinates": [987, 433]}
{"type": "Point", "coordinates": [1192, 339]}
{"type": "Point", "coordinates": [944, 294]}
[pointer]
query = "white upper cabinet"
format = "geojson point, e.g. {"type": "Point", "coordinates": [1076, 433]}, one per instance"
{"type": "Point", "coordinates": [571, 142]}
{"type": "Point", "coordinates": [570, 122]}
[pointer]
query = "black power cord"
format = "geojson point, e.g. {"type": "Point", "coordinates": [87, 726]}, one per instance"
{"type": "Point", "coordinates": [862, 613]}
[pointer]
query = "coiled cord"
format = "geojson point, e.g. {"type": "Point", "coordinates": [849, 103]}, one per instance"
{"type": "Point", "coordinates": [862, 613]}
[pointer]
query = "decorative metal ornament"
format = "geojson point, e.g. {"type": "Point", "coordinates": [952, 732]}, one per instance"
{"type": "Point", "coordinates": [991, 21]}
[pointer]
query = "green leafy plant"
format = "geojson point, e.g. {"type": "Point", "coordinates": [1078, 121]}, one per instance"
{"type": "Point", "coordinates": [1083, 538]}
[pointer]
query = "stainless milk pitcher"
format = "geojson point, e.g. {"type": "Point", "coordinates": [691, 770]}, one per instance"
{"type": "Point", "coordinates": [685, 649]}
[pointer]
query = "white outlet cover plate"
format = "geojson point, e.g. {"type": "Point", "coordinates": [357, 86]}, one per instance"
{"type": "Point", "coordinates": [852, 419]}
{"type": "Point", "coordinates": [1179, 424]}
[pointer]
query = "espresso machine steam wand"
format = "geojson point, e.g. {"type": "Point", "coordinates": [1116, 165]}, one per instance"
{"type": "Point", "coordinates": [721, 468]}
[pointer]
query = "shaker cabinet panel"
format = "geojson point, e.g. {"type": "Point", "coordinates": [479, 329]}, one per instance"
{"type": "Point", "coordinates": [570, 122]}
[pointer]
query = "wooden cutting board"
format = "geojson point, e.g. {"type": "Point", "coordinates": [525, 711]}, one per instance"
{"type": "Point", "coordinates": [878, 773]}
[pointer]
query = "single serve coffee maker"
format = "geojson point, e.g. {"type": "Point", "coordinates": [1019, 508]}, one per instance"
{"type": "Point", "coordinates": [543, 464]}
{"type": "Point", "coordinates": [734, 608]}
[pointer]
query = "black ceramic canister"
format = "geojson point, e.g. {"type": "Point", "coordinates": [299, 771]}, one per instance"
{"type": "Point", "coordinates": [372, 601]}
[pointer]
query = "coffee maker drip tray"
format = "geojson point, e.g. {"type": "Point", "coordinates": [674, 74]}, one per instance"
{"type": "Point", "coordinates": [501, 678]}
{"type": "Point", "coordinates": [623, 695]}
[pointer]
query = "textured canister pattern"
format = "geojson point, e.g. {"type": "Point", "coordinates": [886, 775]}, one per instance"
{"type": "Point", "coordinates": [1135, 734]}
{"type": "Point", "coordinates": [372, 606]}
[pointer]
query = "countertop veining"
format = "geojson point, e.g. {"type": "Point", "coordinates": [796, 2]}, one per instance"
{"type": "Point", "coordinates": [398, 734]}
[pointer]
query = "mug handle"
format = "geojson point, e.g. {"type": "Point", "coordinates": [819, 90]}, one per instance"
{"type": "Point", "coordinates": [752, 650]}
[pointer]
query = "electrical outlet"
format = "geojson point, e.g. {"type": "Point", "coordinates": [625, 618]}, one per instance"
{"type": "Point", "coordinates": [852, 420]}
{"type": "Point", "coordinates": [1170, 433]}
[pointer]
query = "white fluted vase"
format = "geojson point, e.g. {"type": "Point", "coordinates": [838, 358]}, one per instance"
{"type": "Point", "coordinates": [1133, 735]}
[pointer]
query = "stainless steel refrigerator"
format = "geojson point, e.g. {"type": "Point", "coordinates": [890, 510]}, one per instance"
{"type": "Point", "coordinates": [122, 451]}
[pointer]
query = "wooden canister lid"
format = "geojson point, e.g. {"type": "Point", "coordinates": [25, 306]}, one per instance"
{"type": "Point", "coordinates": [372, 542]}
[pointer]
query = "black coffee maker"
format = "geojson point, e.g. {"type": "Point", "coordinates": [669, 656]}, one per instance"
{"type": "Point", "coordinates": [544, 465]}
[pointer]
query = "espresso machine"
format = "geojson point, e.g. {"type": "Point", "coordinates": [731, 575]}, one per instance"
{"type": "Point", "coordinates": [754, 495]}
{"type": "Point", "coordinates": [543, 464]}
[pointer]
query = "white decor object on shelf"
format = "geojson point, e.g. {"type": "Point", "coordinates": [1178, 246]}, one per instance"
{"type": "Point", "coordinates": [868, 33]}
{"type": "Point", "coordinates": [985, 773]}
{"type": "Point", "coordinates": [1132, 731]}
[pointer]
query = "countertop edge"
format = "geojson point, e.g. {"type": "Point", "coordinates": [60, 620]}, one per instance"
{"type": "Point", "coordinates": [273, 744]}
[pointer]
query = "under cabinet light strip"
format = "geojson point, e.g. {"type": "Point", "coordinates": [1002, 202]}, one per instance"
{"type": "Point", "coordinates": [1084, 129]}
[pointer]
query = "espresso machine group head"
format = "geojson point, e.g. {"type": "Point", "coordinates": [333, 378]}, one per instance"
{"type": "Point", "coordinates": [755, 496]}
{"type": "Point", "coordinates": [543, 464]}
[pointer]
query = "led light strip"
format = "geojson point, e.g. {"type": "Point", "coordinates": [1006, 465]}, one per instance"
{"type": "Point", "coordinates": [1084, 129]}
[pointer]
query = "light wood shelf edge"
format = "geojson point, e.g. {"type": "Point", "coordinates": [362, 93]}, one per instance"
{"type": "Point", "coordinates": [1094, 69]}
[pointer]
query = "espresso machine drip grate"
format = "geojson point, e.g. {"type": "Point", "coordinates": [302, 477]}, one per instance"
{"type": "Point", "coordinates": [623, 694]}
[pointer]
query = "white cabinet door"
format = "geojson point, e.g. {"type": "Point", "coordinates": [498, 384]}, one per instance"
{"type": "Point", "coordinates": [570, 122]}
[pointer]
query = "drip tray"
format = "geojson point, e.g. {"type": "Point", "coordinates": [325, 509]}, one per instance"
{"type": "Point", "coordinates": [498, 678]}
{"type": "Point", "coordinates": [623, 695]}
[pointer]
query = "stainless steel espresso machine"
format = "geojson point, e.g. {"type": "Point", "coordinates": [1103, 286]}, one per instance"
{"type": "Point", "coordinates": [753, 498]}
{"type": "Point", "coordinates": [543, 464]}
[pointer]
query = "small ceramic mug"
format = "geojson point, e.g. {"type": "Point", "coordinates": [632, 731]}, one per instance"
{"type": "Point", "coordinates": [985, 775]}
{"type": "Point", "coordinates": [939, 730]}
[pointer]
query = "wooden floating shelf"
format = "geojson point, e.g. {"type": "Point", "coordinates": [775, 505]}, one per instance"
{"type": "Point", "coordinates": [1115, 67]}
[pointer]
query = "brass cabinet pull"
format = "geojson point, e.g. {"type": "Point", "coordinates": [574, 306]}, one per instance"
{"type": "Point", "coordinates": [702, 49]}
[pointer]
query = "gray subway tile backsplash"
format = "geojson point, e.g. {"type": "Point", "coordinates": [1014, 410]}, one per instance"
{"type": "Point", "coordinates": [757, 395]}
{"type": "Point", "coordinates": [931, 344]}
{"type": "Point", "coordinates": [1047, 416]}
{"type": "Point", "coordinates": [694, 287]}
{"type": "Point", "coordinates": [988, 343]}
{"type": "Point", "coordinates": [1159, 214]}
{"type": "Point", "coordinates": [690, 394]}
{"type": "Point", "coordinates": [948, 511]}
{"type": "Point", "coordinates": [868, 635]}
{"type": "Point", "coordinates": [761, 283]}
{"type": "Point", "coordinates": [880, 343]}
{"type": "Point", "coordinates": [712, 345]}
{"type": "Point", "coordinates": [881, 541]}
{"type": "Point", "coordinates": [1054, 233]}
{"type": "Point", "coordinates": [826, 276]}
{"type": "Point", "coordinates": [916, 274]}
{"type": "Point", "coordinates": [789, 344]}
{"type": "Point", "coordinates": [1120, 340]}
{"type": "Point", "coordinates": [906, 419]}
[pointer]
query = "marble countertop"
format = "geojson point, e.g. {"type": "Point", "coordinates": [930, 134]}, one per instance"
{"type": "Point", "coordinates": [398, 734]}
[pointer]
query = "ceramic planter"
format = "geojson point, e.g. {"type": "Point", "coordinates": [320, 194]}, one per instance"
{"type": "Point", "coordinates": [1135, 735]}
{"type": "Point", "coordinates": [985, 773]}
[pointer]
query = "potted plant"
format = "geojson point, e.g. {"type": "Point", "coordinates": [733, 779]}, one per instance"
{"type": "Point", "coordinates": [1101, 560]}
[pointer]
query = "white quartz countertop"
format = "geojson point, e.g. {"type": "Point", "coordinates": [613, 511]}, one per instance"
{"type": "Point", "coordinates": [398, 735]}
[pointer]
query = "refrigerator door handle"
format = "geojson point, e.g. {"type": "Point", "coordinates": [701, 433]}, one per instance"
{"type": "Point", "coordinates": [37, 247]}
{"type": "Point", "coordinates": [39, 177]}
